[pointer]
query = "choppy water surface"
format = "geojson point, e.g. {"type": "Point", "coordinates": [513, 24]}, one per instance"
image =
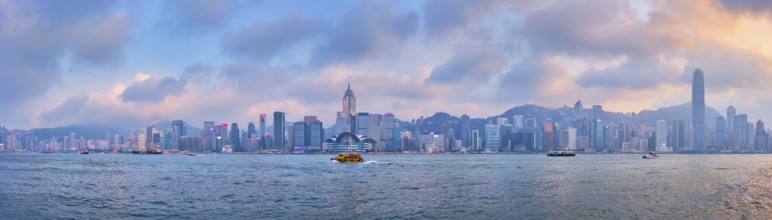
{"type": "Point", "coordinates": [34, 186]}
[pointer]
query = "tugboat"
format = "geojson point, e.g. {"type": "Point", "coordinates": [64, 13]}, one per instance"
{"type": "Point", "coordinates": [561, 154]}
{"type": "Point", "coordinates": [651, 155]}
{"type": "Point", "coordinates": [349, 157]}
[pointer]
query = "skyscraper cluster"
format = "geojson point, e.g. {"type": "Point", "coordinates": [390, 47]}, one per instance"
{"type": "Point", "coordinates": [530, 128]}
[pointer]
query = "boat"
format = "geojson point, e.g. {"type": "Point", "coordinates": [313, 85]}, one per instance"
{"type": "Point", "coordinates": [147, 152]}
{"type": "Point", "coordinates": [650, 155]}
{"type": "Point", "coordinates": [561, 154]}
{"type": "Point", "coordinates": [190, 154]}
{"type": "Point", "coordinates": [83, 152]}
{"type": "Point", "coordinates": [349, 157]}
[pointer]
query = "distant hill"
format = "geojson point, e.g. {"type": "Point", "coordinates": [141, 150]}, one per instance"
{"type": "Point", "coordinates": [167, 125]}
{"type": "Point", "coordinates": [88, 131]}
{"type": "Point", "coordinates": [678, 112]}
{"type": "Point", "coordinates": [442, 121]}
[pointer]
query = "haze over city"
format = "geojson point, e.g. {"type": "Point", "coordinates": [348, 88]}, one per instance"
{"type": "Point", "coordinates": [130, 64]}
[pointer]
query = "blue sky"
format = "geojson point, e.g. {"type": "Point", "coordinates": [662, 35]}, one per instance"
{"type": "Point", "coordinates": [133, 63]}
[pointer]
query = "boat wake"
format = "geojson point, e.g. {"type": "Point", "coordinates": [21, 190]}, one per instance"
{"type": "Point", "coordinates": [371, 161]}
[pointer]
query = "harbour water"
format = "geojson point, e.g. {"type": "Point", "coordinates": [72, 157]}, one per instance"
{"type": "Point", "coordinates": [504, 186]}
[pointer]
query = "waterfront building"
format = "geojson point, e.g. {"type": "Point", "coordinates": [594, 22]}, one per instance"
{"type": "Point", "coordinates": [314, 135]}
{"type": "Point", "coordinates": [389, 135]}
{"type": "Point", "coordinates": [210, 139]}
{"type": "Point", "coordinates": [492, 138]}
{"type": "Point", "coordinates": [278, 130]}
{"type": "Point", "coordinates": [149, 131]}
{"type": "Point", "coordinates": [680, 135]}
{"type": "Point", "coordinates": [530, 123]}
{"type": "Point", "coordinates": [761, 142]}
{"type": "Point", "coordinates": [597, 111]}
{"type": "Point", "coordinates": [298, 136]}
{"type": "Point", "coordinates": [178, 130]}
{"type": "Point", "coordinates": [549, 135]}
{"type": "Point", "coordinates": [517, 121]}
{"type": "Point", "coordinates": [571, 132]}
{"type": "Point", "coordinates": [474, 138]}
{"type": "Point", "coordinates": [578, 109]}
{"type": "Point", "coordinates": [234, 139]}
{"type": "Point", "coordinates": [599, 142]}
{"type": "Point", "coordinates": [741, 130]}
{"type": "Point", "coordinates": [263, 134]}
{"type": "Point", "coordinates": [720, 136]}
{"type": "Point", "coordinates": [731, 137]}
{"type": "Point", "coordinates": [661, 134]}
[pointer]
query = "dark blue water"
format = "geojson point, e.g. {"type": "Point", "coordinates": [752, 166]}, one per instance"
{"type": "Point", "coordinates": [37, 186]}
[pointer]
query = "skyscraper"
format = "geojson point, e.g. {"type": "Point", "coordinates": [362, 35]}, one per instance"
{"type": "Point", "coordinates": [299, 135]}
{"type": "Point", "coordinates": [731, 137]}
{"type": "Point", "coordinates": [234, 139]}
{"type": "Point", "coordinates": [762, 138]}
{"type": "Point", "coordinates": [720, 131]}
{"type": "Point", "coordinates": [278, 130]}
{"type": "Point", "coordinates": [597, 112]}
{"type": "Point", "coordinates": [315, 135]}
{"type": "Point", "coordinates": [263, 142]}
{"type": "Point", "coordinates": [661, 133]}
{"type": "Point", "coordinates": [349, 110]}
{"type": "Point", "coordinates": [698, 110]}
{"type": "Point", "coordinates": [149, 137]}
{"type": "Point", "coordinates": [578, 108]}
{"type": "Point", "coordinates": [223, 136]}
{"type": "Point", "coordinates": [388, 132]}
{"type": "Point", "coordinates": [251, 137]}
{"type": "Point", "coordinates": [492, 139]}
{"type": "Point", "coordinates": [464, 128]}
{"type": "Point", "coordinates": [600, 140]}
{"type": "Point", "coordinates": [210, 138]}
{"type": "Point", "coordinates": [741, 130]}
{"type": "Point", "coordinates": [178, 130]}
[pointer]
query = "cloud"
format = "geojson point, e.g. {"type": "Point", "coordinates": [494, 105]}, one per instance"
{"type": "Point", "coordinates": [199, 16]}
{"type": "Point", "coordinates": [640, 73]}
{"type": "Point", "coordinates": [263, 40]}
{"type": "Point", "coordinates": [37, 36]}
{"type": "Point", "coordinates": [759, 7]}
{"type": "Point", "coordinates": [475, 63]}
{"type": "Point", "coordinates": [153, 90]}
{"type": "Point", "coordinates": [197, 73]}
{"type": "Point", "coordinates": [535, 78]}
{"type": "Point", "coordinates": [101, 43]}
{"type": "Point", "coordinates": [729, 69]}
{"type": "Point", "coordinates": [600, 28]}
{"type": "Point", "coordinates": [370, 31]}
{"type": "Point", "coordinates": [71, 106]}
{"type": "Point", "coordinates": [442, 18]}
{"type": "Point", "coordinates": [248, 76]}
{"type": "Point", "coordinates": [58, 13]}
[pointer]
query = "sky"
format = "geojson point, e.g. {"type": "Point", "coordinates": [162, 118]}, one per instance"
{"type": "Point", "coordinates": [134, 63]}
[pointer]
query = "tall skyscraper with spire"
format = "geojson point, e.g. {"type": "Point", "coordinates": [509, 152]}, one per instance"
{"type": "Point", "coordinates": [349, 110]}
{"type": "Point", "coordinates": [698, 109]}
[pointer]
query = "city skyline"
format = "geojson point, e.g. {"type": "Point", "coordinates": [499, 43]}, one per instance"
{"type": "Point", "coordinates": [134, 63]}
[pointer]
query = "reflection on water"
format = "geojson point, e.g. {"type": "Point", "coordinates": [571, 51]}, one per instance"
{"type": "Point", "coordinates": [396, 186]}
